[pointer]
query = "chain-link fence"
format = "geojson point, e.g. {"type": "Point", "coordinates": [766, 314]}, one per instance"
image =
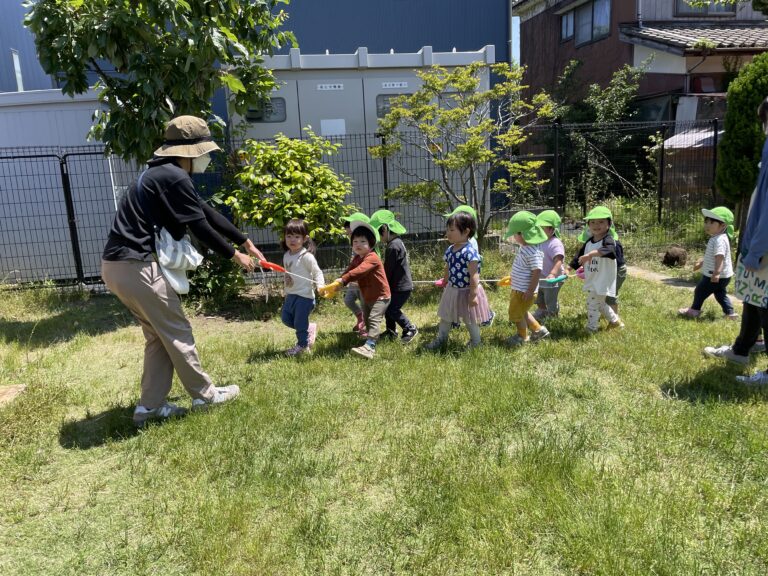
{"type": "Point", "coordinates": [56, 205]}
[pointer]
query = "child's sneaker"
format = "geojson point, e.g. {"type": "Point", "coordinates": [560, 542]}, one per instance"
{"type": "Point", "coordinates": [297, 350]}
{"type": "Point", "coordinates": [221, 394]}
{"type": "Point", "coordinates": [732, 316]}
{"type": "Point", "coordinates": [142, 415]}
{"type": "Point", "coordinates": [312, 335]}
{"type": "Point", "coordinates": [365, 351]}
{"type": "Point", "coordinates": [726, 353]}
{"type": "Point", "coordinates": [488, 323]}
{"type": "Point", "coordinates": [618, 325]}
{"type": "Point", "coordinates": [409, 335]}
{"type": "Point", "coordinates": [539, 334]}
{"type": "Point", "coordinates": [689, 312]}
{"type": "Point", "coordinates": [758, 346]}
{"type": "Point", "coordinates": [516, 340]}
{"type": "Point", "coordinates": [757, 379]}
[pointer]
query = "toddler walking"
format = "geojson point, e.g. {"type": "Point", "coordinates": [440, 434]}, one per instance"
{"type": "Point", "coordinates": [463, 297]}
{"type": "Point", "coordinates": [368, 272]}
{"type": "Point", "coordinates": [716, 266]}
{"type": "Point", "coordinates": [352, 298]}
{"type": "Point", "coordinates": [398, 272]}
{"type": "Point", "coordinates": [598, 257]}
{"type": "Point", "coordinates": [554, 255]}
{"type": "Point", "coordinates": [299, 302]}
{"type": "Point", "coordinates": [524, 277]}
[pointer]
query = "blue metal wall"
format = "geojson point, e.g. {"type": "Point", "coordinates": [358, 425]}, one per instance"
{"type": "Point", "coordinates": [341, 26]}
{"type": "Point", "coordinates": [13, 35]}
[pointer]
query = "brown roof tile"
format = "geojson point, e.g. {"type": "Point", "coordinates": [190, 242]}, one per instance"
{"type": "Point", "coordinates": [752, 36]}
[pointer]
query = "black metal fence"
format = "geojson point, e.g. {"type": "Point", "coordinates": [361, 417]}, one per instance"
{"type": "Point", "coordinates": [56, 204]}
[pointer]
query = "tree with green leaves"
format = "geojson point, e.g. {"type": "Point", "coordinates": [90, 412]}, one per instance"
{"type": "Point", "coordinates": [761, 5]}
{"type": "Point", "coordinates": [156, 59]}
{"type": "Point", "coordinates": [739, 150]}
{"type": "Point", "coordinates": [471, 136]}
{"type": "Point", "coordinates": [288, 179]}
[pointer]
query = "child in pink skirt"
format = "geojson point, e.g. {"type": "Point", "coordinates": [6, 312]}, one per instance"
{"type": "Point", "coordinates": [463, 297]}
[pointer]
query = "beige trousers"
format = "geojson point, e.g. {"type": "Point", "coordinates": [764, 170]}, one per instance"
{"type": "Point", "coordinates": [374, 313]}
{"type": "Point", "coordinates": [169, 345]}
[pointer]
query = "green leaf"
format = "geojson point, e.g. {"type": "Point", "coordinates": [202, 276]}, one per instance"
{"type": "Point", "coordinates": [232, 82]}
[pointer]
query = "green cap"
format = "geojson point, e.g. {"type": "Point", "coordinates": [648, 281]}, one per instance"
{"type": "Point", "coordinates": [598, 213]}
{"type": "Point", "coordinates": [463, 208]}
{"type": "Point", "coordinates": [356, 217]}
{"type": "Point", "coordinates": [525, 223]}
{"type": "Point", "coordinates": [721, 214]}
{"type": "Point", "coordinates": [355, 224]}
{"type": "Point", "coordinates": [386, 218]}
{"type": "Point", "coordinates": [549, 218]}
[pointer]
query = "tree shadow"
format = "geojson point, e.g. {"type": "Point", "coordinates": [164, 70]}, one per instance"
{"type": "Point", "coordinates": [97, 315]}
{"type": "Point", "coordinates": [716, 383]}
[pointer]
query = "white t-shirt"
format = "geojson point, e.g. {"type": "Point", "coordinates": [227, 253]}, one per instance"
{"type": "Point", "coordinates": [718, 245]}
{"type": "Point", "coordinates": [304, 264]}
{"type": "Point", "coordinates": [528, 259]}
{"type": "Point", "coordinates": [600, 272]}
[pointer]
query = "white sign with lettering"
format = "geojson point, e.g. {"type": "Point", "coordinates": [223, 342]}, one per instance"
{"type": "Point", "coordinates": [751, 287]}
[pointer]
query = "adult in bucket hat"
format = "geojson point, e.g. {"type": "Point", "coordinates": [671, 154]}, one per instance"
{"type": "Point", "coordinates": [165, 197]}
{"type": "Point", "coordinates": [753, 257]}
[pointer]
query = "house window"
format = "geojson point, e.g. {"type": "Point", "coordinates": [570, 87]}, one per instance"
{"type": "Point", "coordinates": [682, 8]}
{"type": "Point", "coordinates": [566, 26]}
{"type": "Point", "coordinates": [591, 21]}
{"type": "Point", "coordinates": [272, 110]}
{"type": "Point", "coordinates": [17, 70]}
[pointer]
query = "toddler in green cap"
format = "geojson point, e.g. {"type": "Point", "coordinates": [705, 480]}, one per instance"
{"type": "Point", "coordinates": [598, 257]}
{"type": "Point", "coordinates": [524, 278]}
{"type": "Point", "coordinates": [716, 266]}
{"type": "Point", "coordinates": [554, 255]}
{"type": "Point", "coordinates": [398, 272]}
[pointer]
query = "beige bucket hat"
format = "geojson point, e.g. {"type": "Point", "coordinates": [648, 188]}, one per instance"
{"type": "Point", "coordinates": [187, 137]}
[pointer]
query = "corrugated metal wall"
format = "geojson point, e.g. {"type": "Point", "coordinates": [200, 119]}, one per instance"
{"type": "Point", "coordinates": [13, 35]}
{"type": "Point", "coordinates": [342, 26]}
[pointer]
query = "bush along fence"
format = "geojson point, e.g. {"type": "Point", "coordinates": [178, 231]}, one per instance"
{"type": "Point", "coordinates": [56, 205]}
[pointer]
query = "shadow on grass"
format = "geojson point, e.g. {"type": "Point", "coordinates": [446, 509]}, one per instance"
{"type": "Point", "coordinates": [113, 425]}
{"type": "Point", "coordinates": [716, 383]}
{"type": "Point", "coordinates": [92, 431]}
{"type": "Point", "coordinates": [97, 315]}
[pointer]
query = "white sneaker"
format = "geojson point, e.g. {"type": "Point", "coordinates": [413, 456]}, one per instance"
{"type": "Point", "coordinates": [142, 414]}
{"type": "Point", "coordinates": [726, 353]}
{"type": "Point", "coordinates": [539, 334]}
{"type": "Point", "coordinates": [757, 379]}
{"type": "Point", "coordinates": [220, 395]}
{"type": "Point", "coordinates": [365, 351]}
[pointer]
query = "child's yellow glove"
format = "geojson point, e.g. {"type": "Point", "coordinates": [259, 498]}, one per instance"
{"type": "Point", "coordinates": [506, 281]}
{"type": "Point", "coordinates": [329, 290]}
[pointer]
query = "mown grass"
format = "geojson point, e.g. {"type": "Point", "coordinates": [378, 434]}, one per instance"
{"type": "Point", "coordinates": [622, 453]}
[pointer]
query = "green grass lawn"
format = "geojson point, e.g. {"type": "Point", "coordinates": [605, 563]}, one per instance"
{"type": "Point", "coordinates": [620, 453]}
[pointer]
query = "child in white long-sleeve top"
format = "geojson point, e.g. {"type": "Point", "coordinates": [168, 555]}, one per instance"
{"type": "Point", "coordinates": [303, 275]}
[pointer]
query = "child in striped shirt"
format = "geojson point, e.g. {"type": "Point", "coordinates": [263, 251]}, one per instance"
{"type": "Point", "coordinates": [524, 279]}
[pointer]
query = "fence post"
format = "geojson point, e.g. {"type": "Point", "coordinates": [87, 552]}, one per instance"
{"type": "Point", "coordinates": [660, 184]}
{"type": "Point", "coordinates": [714, 157]}
{"type": "Point", "coordinates": [70, 205]}
{"type": "Point", "coordinates": [384, 171]}
{"type": "Point", "coordinates": [558, 197]}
